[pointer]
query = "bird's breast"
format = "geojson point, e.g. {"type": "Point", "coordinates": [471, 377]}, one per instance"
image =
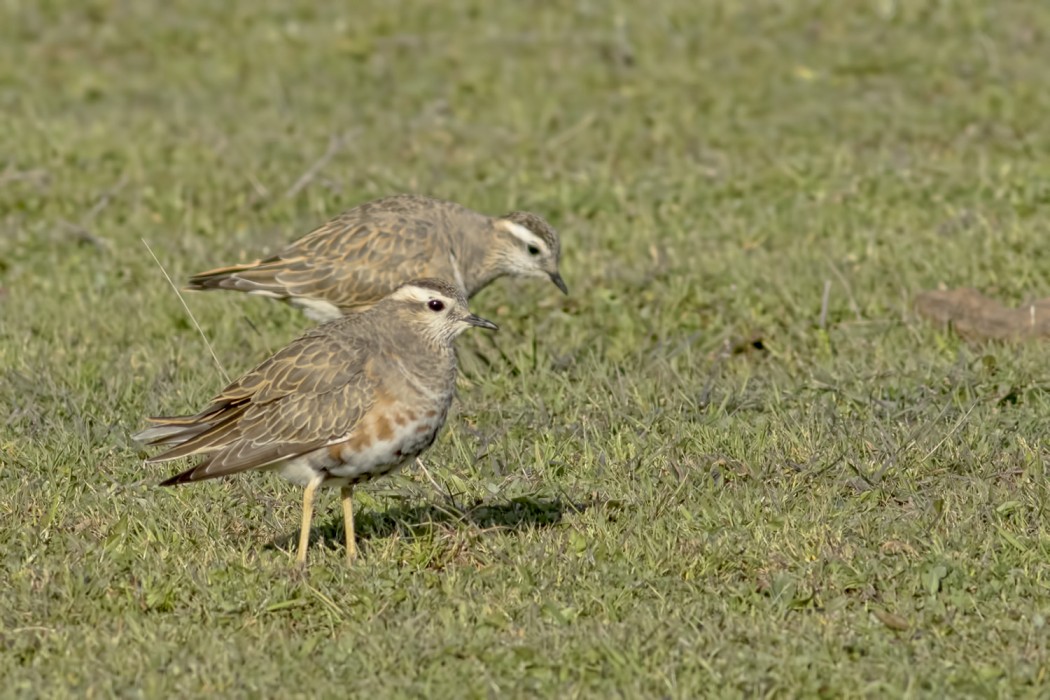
{"type": "Point", "coordinates": [384, 441]}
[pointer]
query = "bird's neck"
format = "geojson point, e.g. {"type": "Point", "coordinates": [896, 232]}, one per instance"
{"type": "Point", "coordinates": [479, 258]}
{"type": "Point", "coordinates": [429, 373]}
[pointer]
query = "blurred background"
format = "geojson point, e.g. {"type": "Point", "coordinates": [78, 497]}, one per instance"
{"type": "Point", "coordinates": [736, 415]}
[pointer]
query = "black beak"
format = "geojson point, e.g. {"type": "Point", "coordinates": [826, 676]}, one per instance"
{"type": "Point", "coordinates": [559, 282]}
{"type": "Point", "coordinates": [480, 322]}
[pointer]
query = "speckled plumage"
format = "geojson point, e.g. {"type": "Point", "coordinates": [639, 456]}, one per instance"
{"type": "Point", "coordinates": [355, 259]}
{"type": "Point", "coordinates": [346, 402]}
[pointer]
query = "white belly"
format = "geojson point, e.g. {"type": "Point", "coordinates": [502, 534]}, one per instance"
{"type": "Point", "coordinates": [377, 459]}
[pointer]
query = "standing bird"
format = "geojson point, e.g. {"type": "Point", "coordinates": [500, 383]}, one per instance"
{"type": "Point", "coordinates": [347, 402]}
{"type": "Point", "coordinates": [357, 258]}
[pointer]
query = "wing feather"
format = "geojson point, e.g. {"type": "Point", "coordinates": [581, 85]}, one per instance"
{"type": "Point", "coordinates": [313, 391]}
{"type": "Point", "coordinates": [356, 258]}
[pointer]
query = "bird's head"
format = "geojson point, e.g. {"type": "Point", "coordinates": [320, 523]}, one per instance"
{"type": "Point", "coordinates": [529, 247]}
{"type": "Point", "coordinates": [437, 307]}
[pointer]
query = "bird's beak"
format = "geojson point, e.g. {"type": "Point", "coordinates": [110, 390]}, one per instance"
{"type": "Point", "coordinates": [480, 322]}
{"type": "Point", "coordinates": [559, 282]}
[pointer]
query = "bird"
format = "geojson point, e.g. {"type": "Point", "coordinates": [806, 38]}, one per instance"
{"type": "Point", "coordinates": [349, 263]}
{"type": "Point", "coordinates": [348, 401]}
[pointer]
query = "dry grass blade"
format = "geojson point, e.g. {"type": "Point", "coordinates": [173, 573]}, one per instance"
{"type": "Point", "coordinates": [207, 343]}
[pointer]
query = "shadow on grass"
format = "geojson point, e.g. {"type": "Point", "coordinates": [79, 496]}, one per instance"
{"type": "Point", "coordinates": [518, 513]}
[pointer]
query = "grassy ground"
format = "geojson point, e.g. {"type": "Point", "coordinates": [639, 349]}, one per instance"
{"type": "Point", "coordinates": [629, 507]}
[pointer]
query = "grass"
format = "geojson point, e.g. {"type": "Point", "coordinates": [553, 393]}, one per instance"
{"type": "Point", "coordinates": [628, 507]}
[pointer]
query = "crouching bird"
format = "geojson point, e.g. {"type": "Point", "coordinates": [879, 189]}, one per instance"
{"type": "Point", "coordinates": [354, 260]}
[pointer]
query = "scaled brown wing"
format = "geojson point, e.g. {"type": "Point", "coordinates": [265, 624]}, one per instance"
{"type": "Point", "coordinates": [352, 261]}
{"type": "Point", "coordinates": [309, 394]}
{"type": "Point", "coordinates": [293, 426]}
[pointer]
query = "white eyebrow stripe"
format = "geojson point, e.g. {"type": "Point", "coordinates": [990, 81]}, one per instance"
{"type": "Point", "coordinates": [419, 294]}
{"type": "Point", "coordinates": [523, 234]}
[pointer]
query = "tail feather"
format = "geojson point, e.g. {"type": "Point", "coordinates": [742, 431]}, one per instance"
{"type": "Point", "coordinates": [163, 435]}
{"type": "Point", "coordinates": [178, 420]}
{"type": "Point", "coordinates": [207, 438]}
{"type": "Point", "coordinates": [219, 277]}
{"type": "Point", "coordinates": [190, 434]}
{"type": "Point", "coordinates": [259, 277]}
{"type": "Point", "coordinates": [173, 430]}
{"type": "Point", "coordinates": [183, 477]}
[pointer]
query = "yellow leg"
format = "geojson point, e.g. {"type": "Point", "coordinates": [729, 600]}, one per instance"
{"type": "Point", "coordinates": [348, 523]}
{"type": "Point", "coordinates": [308, 513]}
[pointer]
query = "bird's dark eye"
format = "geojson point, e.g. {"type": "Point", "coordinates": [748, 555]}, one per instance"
{"type": "Point", "coordinates": [533, 250]}
{"type": "Point", "coordinates": [436, 305]}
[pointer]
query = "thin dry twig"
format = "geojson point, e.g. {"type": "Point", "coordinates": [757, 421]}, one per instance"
{"type": "Point", "coordinates": [81, 229]}
{"type": "Point", "coordinates": [823, 322]}
{"type": "Point", "coordinates": [335, 143]}
{"type": "Point", "coordinates": [958, 424]}
{"type": "Point", "coordinates": [849, 290]}
{"type": "Point", "coordinates": [104, 199]}
{"type": "Point", "coordinates": [193, 318]}
{"type": "Point", "coordinates": [37, 176]}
